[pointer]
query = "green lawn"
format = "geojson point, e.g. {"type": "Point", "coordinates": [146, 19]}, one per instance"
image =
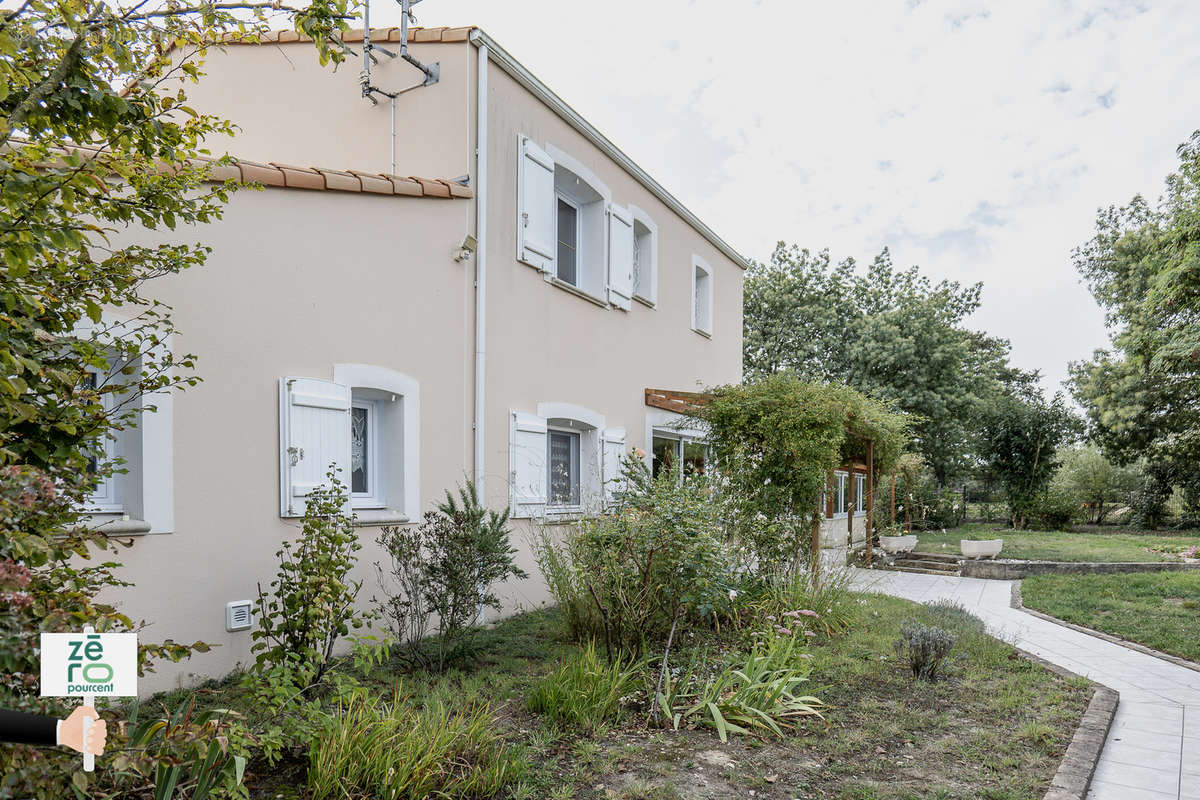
{"type": "Point", "coordinates": [994, 727]}
{"type": "Point", "coordinates": [1100, 544]}
{"type": "Point", "coordinates": [1157, 609]}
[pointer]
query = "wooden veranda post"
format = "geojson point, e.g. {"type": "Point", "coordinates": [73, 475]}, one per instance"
{"type": "Point", "coordinates": [870, 521]}
{"type": "Point", "coordinates": [892, 521]}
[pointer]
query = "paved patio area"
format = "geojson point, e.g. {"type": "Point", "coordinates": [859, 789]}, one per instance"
{"type": "Point", "coordinates": [1153, 749]}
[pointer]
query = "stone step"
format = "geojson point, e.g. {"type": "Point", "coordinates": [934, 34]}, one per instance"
{"type": "Point", "coordinates": [949, 558]}
{"type": "Point", "coordinates": [933, 563]}
{"type": "Point", "coordinates": [920, 571]}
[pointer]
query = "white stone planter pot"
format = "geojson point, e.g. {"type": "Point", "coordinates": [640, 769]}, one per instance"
{"type": "Point", "coordinates": [898, 544]}
{"type": "Point", "coordinates": [986, 548]}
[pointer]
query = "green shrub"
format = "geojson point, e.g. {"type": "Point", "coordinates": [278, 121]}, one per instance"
{"type": "Point", "coordinates": [311, 603]}
{"type": "Point", "coordinates": [1056, 510]}
{"type": "Point", "coordinates": [395, 752]}
{"type": "Point", "coordinates": [626, 578]}
{"type": "Point", "coordinates": [586, 691]}
{"type": "Point", "coordinates": [445, 569]}
{"type": "Point", "coordinates": [755, 696]}
{"type": "Point", "coordinates": [924, 648]}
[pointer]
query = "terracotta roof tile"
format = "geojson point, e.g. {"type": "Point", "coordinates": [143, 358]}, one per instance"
{"type": "Point", "coordinates": [300, 177]}
{"type": "Point", "coordinates": [354, 35]}
{"type": "Point", "coordinates": [406, 186]}
{"type": "Point", "coordinates": [433, 188]}
{"type": "Point", "coordinates": [340, 181]}
{"type": "Point", "coordinates": [261, 173]}
{"type": "Point", "coordinates": [317, 178]}
{"type": "Point", "coordinates": [374, 182]}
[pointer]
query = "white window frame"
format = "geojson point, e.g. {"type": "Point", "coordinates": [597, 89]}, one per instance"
{"type": "Point", "coordinates": [645, 289]}
{"type": "Point", "coordinates": [702, 318]}
{"type": "Point", "coordinates": [389, 506]}
{"type": "Point", "coordinates": [681, 439]}
{"type": "Point", "coordinates": [105, 499]}
{"type": "Point", "coordinates": [577, 469]}
{"type": "Point", "coordinates": [560, 197]}
{"type": "Point", "coordinates": [591, 267]}
{"type": "Point", "coordinates": [376, 494]}
{"type": "Point", "coordinates": [860, 490]}
{"type": "Point", "coordinates": [841, 488]}
{"type": "Point", "coordinates": [145, 490]}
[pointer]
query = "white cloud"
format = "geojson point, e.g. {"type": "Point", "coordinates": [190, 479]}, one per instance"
{"type": "Point", "coordinates": [974, 139]}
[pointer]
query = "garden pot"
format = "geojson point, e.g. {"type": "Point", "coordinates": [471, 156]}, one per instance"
{"type": "Point", "coordinates": [986, 548]}
{"type": "Point", "coordinates": [898, 544]}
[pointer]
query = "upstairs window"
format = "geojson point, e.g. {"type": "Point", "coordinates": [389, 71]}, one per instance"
{"type": "Point", "coordinates": [645, 257]}
{"type": "Point", "coordinates": [563, 221]}
{"type": "Point", "coordinates": [702, 296]}
{"type": "Point", "coordinates": [567, 263]}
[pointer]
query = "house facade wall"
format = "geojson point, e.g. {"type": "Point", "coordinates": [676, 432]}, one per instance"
{"type": "Point", "coordinates": [548, 345]}
{"type": "Point", "coordinates": [299, 281]}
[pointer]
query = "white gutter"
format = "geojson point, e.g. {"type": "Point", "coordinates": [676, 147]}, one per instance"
{"type": "Point", "coordinates": [481, 194]}
{"type": "Point", "coordinates": [487, 46]}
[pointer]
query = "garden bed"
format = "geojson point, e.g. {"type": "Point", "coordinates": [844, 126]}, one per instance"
{"type": "Point", "coordinates": [995, 726]}
{"type": "Point", "coordinates": [1157, 610]}
{"type": "Point", "coordinates": [1106, 545]}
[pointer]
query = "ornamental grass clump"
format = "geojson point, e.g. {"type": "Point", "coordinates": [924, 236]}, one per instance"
{"type": "Point", "coordinates": [395, 752]}
{"type": "Point", "coordinates": [586, 691]}
{"type": "Point", "coordinates": [924, 648]}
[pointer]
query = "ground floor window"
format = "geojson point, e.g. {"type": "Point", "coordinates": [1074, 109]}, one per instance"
{"type": "Point", "coordinates": [860, 493]}
{"type": "Point", "coordinates": [691, 455]}
{"type": "Point", "coordinates": [841, 487]}
{"type": "Point", "coordinates": [562, 458]}
{"type": "Point", "coordinates": [365, 480]}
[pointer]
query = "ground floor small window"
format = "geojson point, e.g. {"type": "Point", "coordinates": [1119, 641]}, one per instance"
{"type": "Point", "coordinates": [841, 487]}
{"type": "Point", "coordinates": [691, 455]}
{"type": "Point", "coordinates": [562, 459]}
{"type": "Point", "coordinates": [860, 493]}
{"type": "Point", "coordinates": [365, 480]}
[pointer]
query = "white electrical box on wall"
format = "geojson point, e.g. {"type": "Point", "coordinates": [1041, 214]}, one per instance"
{"type": "Point", "coordinates": [237, 615]}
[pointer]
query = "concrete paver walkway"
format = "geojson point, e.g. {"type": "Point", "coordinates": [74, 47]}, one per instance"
{"type": "Point", "coordinates": [1153, 749]}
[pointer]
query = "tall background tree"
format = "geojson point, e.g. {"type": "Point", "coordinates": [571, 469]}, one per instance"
{"type": "Point", "coordinates": [95, 136]}
{"type": "Point", "coordinates": [893, 334]}
{"type": "Point", "coordinates": [1142, 396]}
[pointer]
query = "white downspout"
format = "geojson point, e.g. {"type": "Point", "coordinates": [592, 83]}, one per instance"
{"type": "Point", "coordinates": [481, 147]}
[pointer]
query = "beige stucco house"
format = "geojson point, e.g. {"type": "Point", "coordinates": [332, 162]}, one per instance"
{"type": "Point", "coordinates": [500, 321]}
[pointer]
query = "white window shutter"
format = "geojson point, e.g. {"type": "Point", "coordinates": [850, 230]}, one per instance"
{"type": "Point", "coordinates": [620, 256]}
{"type": "Point", "coordinates": [535, 207]}
{"type": "Point", "coordinates": [614, 454]}
{"type": "Point", "coordinates": [314, 432]}
{"type": "Point", "coordinates": [527, 463]}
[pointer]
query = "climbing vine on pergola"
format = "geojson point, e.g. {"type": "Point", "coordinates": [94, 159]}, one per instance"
{"type": "Point", "coordinates": [775, 442]}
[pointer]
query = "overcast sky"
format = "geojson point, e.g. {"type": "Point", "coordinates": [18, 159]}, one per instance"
{"type": "Point", "coordinates": [974, 139]}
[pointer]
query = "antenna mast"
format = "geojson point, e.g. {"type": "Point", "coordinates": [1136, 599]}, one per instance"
{"type": "Point", "coordinates": [430, 71]}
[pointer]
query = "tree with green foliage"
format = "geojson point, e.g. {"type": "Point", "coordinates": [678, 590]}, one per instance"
{"type": "Point", "coordinates": [1142, 397]}
{"type": "Point", "coordinates": [95, 137]}
{"type": "Point", "coordinates": [889, 333]}
{"type": "Point", "coordinates": [1020, 442]}
{"type": "Point", "coordinates": [775, 440]}
{"type": "Point", "coordinates": [1092, 480]}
